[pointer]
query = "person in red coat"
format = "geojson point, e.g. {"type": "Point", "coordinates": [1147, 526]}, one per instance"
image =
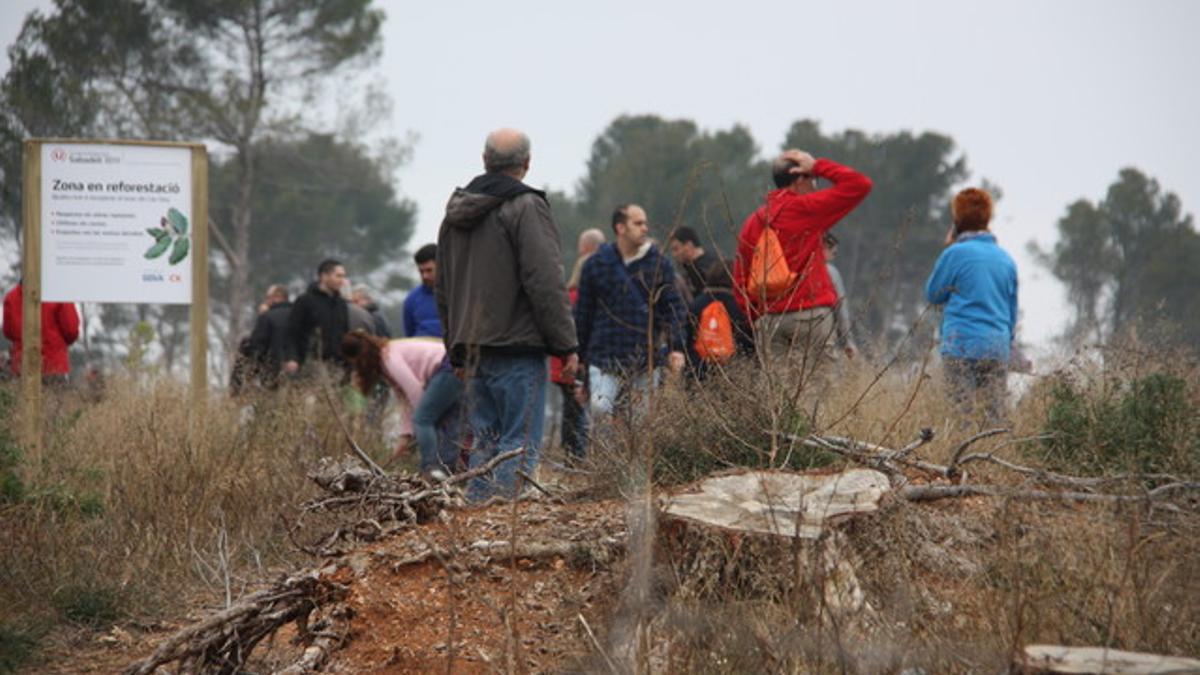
{"type": "Point", "coordinates": [797, 325]}
{"type": "Point", "coordinates": [60, 329]}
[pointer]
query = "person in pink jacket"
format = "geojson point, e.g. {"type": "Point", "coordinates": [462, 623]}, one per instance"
{"type": "Point", "coordinates": [420, 374]}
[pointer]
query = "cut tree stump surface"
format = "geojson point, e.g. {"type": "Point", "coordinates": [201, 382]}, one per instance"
{"type": "Point", "coordinates": [1059, 659]}
{"type": "Point", "coordinates": [780, 503]}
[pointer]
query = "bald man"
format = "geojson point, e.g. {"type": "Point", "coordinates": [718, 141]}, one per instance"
{"type": "Point", "coordinates": [590, 240]}
{"type": "Point", "coordinates": [504, 307]}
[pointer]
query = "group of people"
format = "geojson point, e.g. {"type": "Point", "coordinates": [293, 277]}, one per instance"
{"type": "Point", "coordinates": [336, 331]}
{"type": "Point", "coordinates": [494, 321]}
{"type": "Point", "coordinates": [626, 314]}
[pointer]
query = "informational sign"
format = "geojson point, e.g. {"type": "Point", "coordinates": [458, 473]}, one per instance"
{"type": "Point", "coordinates": [116, 223]}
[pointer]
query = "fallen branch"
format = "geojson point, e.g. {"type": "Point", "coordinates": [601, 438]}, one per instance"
{"type": "Point", "coordinates": [1045, 476]}
{"type": "Point", "coordinates": [929, 493]}
{"type": "Point", "coordinates": [952, 468]}
{"type": "Point", "coordinates": [319, 650]}
{"type": "Point", "coordinates": [892, 462]}
{"type": "Point", "coordinates": [228, 637]}
{"type": "Point", "coordinates": [484, 468]}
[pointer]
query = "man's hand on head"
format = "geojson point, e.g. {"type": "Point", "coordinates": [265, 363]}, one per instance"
{"type": "Point", "coordinates": [804, 161]}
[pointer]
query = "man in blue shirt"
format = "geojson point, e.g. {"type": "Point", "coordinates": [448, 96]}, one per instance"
{"type": "Point", "coordinates": [420, 306]}
{"type": "Point", "coordinates": [976, 281]}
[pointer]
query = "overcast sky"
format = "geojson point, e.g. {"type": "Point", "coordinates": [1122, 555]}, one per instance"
{"type": "Point", "coordinates": [1047, 99]}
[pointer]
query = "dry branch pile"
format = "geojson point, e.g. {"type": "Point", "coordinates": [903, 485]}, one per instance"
{"type": "Point", "coordinates": [368, 504]}
{"type": "Point", "coordinates": [223, 642]}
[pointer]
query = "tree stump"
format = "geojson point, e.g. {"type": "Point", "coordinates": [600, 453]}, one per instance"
{"type": "Point", "coordinates": [1059, 659]}
{"type": "Point", "coordinates": [770, 534]}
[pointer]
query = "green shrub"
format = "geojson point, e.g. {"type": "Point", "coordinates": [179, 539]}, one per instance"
{"type": "Point", "coordinates": [1148, 424]}
{"type": "Point", "coordinates": [726, 423]}
{"type": "Point", "coordinates": [17, 644]}
{"type": "Point", "coordinates": [89, 605]}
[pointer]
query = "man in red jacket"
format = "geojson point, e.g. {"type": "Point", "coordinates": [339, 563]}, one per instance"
{"type": "Point", "coordinates": [797, 324]}
{"type": "Point", "coordinates": [60, 328]}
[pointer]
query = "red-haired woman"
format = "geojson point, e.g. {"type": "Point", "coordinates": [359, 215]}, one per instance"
{"type": "Point", "coordinates": [976, 281]}
{"type": "Point", "coordinates": [425, 385]}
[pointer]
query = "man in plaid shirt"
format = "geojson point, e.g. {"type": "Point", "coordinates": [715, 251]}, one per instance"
{"type": "Point", "coordinates": [627, 305]}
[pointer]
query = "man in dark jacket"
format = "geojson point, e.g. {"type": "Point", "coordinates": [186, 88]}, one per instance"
{"type": "Point", "coordinates": [503, 307]}
{"type": "Point", "coordinates": [322, 309]}
{"type": "Point", "coordinates": [627, 291]}
{"type": "Point", "coordinates": [718, 287]}
{"type": "Point", "coordinates": [268, 341]}
{"type": "Point", "coordinates": [691, 257]}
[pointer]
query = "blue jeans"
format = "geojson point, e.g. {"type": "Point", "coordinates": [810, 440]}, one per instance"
{"type": "Point", "coordinates": [507, 403]}
{"type": "Point", "coordinates": [439, 404]}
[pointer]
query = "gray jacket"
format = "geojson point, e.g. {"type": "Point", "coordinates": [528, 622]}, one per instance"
{"type": "Point", "coordinates": [500, 282]}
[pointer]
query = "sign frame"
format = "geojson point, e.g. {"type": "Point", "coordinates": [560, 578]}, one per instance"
{"type": "Point", "coordinates": [31, 360]}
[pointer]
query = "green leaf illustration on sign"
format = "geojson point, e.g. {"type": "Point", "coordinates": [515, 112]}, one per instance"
{"type": "Point", "coordinates": [157, 232]}
{"type": "Point", "coordinates": [158, 249]}
{"type": "Point", "coordinates": [179, 222]}
{"type": "Point", "coordinates": [180, 250]}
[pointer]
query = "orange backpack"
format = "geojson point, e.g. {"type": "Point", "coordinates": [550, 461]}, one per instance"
{"type": "Point", "coordinates": [770, 277]}
{"type": "Point", "coordinates": [714, 334]}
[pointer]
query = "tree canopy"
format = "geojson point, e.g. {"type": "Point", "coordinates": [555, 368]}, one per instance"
{"type": "Point", "coordinates": [235, 72]}
{"type": "Point", "coordinates": [712, 180]}
{"type": "Point", "coordinates": [1130, 258]}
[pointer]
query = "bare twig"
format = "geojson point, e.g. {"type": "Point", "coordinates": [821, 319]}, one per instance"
{"type": "Point", "coordinates": [952, 467]}
{"type": "Point", "coordinates": [485, 468]}
{"type": "Point", "coordinates": [366, 459]}
{"type": "Point", "coordinates": [540, 488]}
{"type": "Point", "coordinates": [612, 667]}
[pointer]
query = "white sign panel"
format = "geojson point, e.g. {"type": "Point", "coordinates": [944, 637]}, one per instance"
{"type": "Point", "coordinates": [116, 223]}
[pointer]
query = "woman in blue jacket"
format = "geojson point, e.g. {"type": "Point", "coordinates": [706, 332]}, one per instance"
{"type": "Point", "coordinates": [976, 281]}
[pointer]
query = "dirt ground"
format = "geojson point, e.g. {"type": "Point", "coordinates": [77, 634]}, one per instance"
{"type": "Point", "coordinates": [450, 596]}
{"type": "Point", "coordinates": [401, 602]}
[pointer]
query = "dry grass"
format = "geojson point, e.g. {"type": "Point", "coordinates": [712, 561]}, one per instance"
{"type": "Point", "coordinates": [134, 502]}
{"type": "Point", "coordinates": [955, 586]}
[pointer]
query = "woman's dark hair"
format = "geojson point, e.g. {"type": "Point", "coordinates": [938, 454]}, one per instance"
{"type": "Point", "coordinates": [364, 353]}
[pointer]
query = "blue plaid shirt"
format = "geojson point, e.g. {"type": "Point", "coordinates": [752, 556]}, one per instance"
{"type": "Point", "coordinates": [612, 312]}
